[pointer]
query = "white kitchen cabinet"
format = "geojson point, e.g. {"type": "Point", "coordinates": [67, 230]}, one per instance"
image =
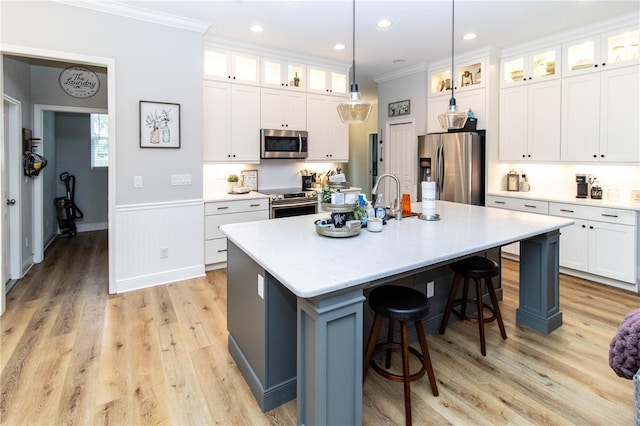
{"type": "Point", "coordinates": [518, 204]}
{"type": "Point", "coordinates": [469, 99]}
{"type": "Point", "coordinates": [530, 122]}
{"type": "Point", "coordinates": [236, 67]}
{"type": "Point", "coordinates": [225, 212]}
{"type": "Point", "coordinates": [281, 109]}
{"type": "Point", "coordinates": [231, 122]}
{"type": "Point", "coordinates": [599, 116]}
{"type": "Point", "coordinates": [601, 242]}
{"type": "Point", "coordinates": [601, 51]}
{"type": "Point", "coordinates": [530, 67]}
{"type": "Point", "coordinates": [283, 74]}
{"type": "Point", "coordinates": [619, 112]}
{"type": "Point", "coordinates": [328, 135]}
{"type": "Point", "coordinates": [468, 76]}
{"type": "Point", "coordinates": [327, 81]}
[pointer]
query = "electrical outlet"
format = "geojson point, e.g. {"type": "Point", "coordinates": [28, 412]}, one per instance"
{"type": "Point", "coordinates": [26, 242]}
{"type": "Point", "coordinates": [430, 289]}
{"type": "Point", "coordinates": [137, 181]}
{"type": "Point", "coordinates": [261, 286]}
{"type": "Point", "coordinates": [164, 252]}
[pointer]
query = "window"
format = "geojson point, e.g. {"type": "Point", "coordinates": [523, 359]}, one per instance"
{"type": "Point", "coordinates": [99, 140]}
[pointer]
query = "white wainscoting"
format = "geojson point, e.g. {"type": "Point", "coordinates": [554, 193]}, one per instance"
{"type": "Point", "coordinates": [143, 230]}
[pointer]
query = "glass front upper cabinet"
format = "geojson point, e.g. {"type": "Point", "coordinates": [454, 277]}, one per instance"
{"type": "Point", "coordinates": [322, 80]}
{"type": "Point", "coordinates": [469, 76]}
{"type": "Point", "coordinates": [231, 66]}
{"type": "Point", "coordinates": [610, 50]}
{"type": "Point", "coordinates": [279, 73]}
{"type": "Point", "coordinates": [530, 67]}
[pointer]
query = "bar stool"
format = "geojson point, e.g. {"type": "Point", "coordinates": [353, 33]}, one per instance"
{"type": "Point", "coordinates": [400, 304]}
{"type": "Point", "coordinates": [479, 268]}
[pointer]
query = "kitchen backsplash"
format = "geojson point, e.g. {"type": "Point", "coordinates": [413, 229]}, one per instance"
{"type": "Point", "coordinates": [560, 179]}
{"type": "Point", "coordinates": [271, 173]}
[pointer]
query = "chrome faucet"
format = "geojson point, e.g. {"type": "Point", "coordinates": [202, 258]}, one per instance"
{"type": "Point", "coordinates": [395, 207]}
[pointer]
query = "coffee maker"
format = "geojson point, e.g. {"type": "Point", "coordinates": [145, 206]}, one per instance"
{"type": "Point", "coordinates": [582, 186]}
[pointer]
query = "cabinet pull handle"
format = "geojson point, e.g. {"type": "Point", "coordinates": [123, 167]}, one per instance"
{"type": "Point", "coordinates": [222, 250]}
{"type": "Point", "coordinates": [609, 215]}
{"type": "Point", "coordinates": [499, 202]}
{"type": "Point", "coordinates": [567, 210]}
{"type": "Point", "coordinates": [254, 205]}
{"type": "Point", "coordinates": [223, 208]}
{"type": "Point", "coordinates": [530, 206]}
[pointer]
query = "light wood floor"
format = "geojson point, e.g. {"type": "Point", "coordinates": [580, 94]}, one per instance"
{"type": "Point", "coordinates": [72, 354]}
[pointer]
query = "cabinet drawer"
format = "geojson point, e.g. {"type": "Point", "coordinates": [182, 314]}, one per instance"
{"type": "Point", "coordinates": [225, 207]}
{"type": "Point", "coordinates": [619, 216]}
{"type": "Point", "coordinates": [215, 251]}
{"type": "Point", "coordinates": [213, 222]}
{"type": "Point", "coordinates": [523, 205]}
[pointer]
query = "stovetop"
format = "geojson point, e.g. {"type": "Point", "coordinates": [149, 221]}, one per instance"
{"type": "Point", "coordinates": [287, 193]}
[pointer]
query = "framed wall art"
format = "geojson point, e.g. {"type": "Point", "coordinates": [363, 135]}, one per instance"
{"type": "Point", "coordinates": [159, 125]}
{"type": "Point", "coordinates": [399, 108]}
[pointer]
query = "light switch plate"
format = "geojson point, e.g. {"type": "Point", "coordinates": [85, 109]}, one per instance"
{"type": "Point", "coordinates": [261, 286]}
{"type": "Point", "coordinates": [181, 179]}
{"type": "Point", "coordinates": [137, 181]}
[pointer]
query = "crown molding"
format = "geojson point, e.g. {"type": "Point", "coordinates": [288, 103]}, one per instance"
{"type": "Point", "coordinates": [401, 73]}
{"type": "Point", "coordinates": [140, 13]}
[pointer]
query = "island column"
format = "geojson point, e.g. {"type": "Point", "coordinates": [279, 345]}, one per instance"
{"type": "Point", "coordinates": [330, 359]}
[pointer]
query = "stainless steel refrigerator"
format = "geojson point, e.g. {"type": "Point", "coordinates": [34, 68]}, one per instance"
{"type": "Point", "coordinates": [455, 161]}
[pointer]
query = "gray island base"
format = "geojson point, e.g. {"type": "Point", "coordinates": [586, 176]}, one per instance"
{"type": "Point", "coordinates": [295, 299]}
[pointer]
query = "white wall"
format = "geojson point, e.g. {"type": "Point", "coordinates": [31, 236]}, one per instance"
{"type": "Point", "coordinates": [152, 62]}
{"type": "Point", "coordinates": [358, 168]}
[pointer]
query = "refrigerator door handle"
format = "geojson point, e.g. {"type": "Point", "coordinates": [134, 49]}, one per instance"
{"type": "Point", "coordinates": [439, 172]}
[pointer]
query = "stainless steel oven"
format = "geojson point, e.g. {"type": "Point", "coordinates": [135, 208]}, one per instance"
{"type": "Point", "coordinates": [291, 202]}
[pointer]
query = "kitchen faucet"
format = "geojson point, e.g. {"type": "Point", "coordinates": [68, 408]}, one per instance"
{"type": "Point", "coordinates": [395, 207]}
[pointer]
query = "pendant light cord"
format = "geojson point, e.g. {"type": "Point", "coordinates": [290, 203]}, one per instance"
{"type": "Point", "coordinates": [453, 11]}
{"type": "Point", "coordinates": [353, 44]}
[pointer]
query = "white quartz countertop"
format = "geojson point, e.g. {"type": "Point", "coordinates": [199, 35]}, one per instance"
{"type": "Point", "coordinates": [628, 205]}
{"type": "Point", "coordinates": [311, 265]}
{"type": "Point", "coordinates": [223, 196]}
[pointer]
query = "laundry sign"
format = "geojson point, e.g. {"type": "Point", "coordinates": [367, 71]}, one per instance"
{"type": "Point", "coordinates": [79, 82]}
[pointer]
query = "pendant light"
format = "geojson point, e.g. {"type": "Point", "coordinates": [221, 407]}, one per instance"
{"type": "Point", "coordinates": [355, 110]}
{"type": "Point", "coordinates": [452, 119]}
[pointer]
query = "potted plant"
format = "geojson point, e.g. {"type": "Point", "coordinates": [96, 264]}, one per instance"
{"type": "Point", "coordinates": [232, 180]}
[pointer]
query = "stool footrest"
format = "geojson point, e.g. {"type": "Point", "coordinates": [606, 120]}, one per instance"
{"type": "Point", "coordinates": [396, 377]}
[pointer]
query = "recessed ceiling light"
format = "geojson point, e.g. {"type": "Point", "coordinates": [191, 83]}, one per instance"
{"type": "Point", "coordinates": [469, 36]}
{"type": "Point", "coordinates": [256, 28]}
{"type": "Point", "coordinates": [398, 61]}
{"type": "Point", "coordinates": [384, 23]}
{"type": "Point", "coordinates": [339, 46]}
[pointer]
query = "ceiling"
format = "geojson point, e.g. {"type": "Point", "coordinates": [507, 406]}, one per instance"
{"type": "Point", "coordinates": [420, 34]}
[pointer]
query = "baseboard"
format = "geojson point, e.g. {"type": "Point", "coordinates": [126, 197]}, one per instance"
{"type": "Point", "coordinates": [267, 399]}
{"type": "Point", "coordinates": [160, 278]}
{"type": "Point", "coordinates": [88, 227]}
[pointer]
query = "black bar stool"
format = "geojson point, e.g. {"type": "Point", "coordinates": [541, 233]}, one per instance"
{"type": "Point", "coordinates": [479, 268]}
{"type": "Point", "coordinates": [401, 304]}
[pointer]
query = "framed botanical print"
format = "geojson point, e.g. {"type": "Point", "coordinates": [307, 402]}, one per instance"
{"type": "Point", "coordinates": [159, 125]}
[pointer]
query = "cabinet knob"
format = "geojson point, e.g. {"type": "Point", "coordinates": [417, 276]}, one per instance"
{"type": "Point", "coordinates": [604, 64]}
{"type": "Point", "coordinates": [584, 226]}
{"type": "Point", "coordinates": [523, 156]}
{"type": "Point", "coordinates": [595, 156]}
{"type": "Point", "coordinates": [595, 65]}
{"type": "Point", "coordinates": [529, 155]}
{"type": "Point", "coordinates": [229, 155]}
{"type": "Point", "coordinates": [228, 76]}
{"type": "Point", "coordinates": [590, 227]}
{"type": "Point", "coordinates": [601, 155]}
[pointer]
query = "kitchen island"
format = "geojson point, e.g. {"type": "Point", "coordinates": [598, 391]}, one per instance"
{"type": "Point", "coordinates": [326, 278]}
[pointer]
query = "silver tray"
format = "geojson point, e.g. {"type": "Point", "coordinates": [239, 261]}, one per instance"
{"type": "Point", "coordinates": [338, 208]}
{"type": "Point", "coordinates": [338, 232]}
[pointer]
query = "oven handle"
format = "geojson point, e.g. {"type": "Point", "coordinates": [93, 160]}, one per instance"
{"type": "Point", "coordinates": [296, 204]}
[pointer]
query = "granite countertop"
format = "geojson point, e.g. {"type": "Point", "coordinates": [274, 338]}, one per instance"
{"type": "Point", "coordinates": [311, 265]}
{"type": "Point", "coordinates": [628, 205]}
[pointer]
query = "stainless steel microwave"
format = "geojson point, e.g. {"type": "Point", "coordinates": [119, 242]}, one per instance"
{"type": "Point", "coordinates": [283, 143]}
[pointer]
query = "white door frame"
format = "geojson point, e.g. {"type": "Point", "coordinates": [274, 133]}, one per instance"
{"type": "Point", "coordinates": [109, 64]}
{"type": "Point", "coordinates": [38, 191]}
